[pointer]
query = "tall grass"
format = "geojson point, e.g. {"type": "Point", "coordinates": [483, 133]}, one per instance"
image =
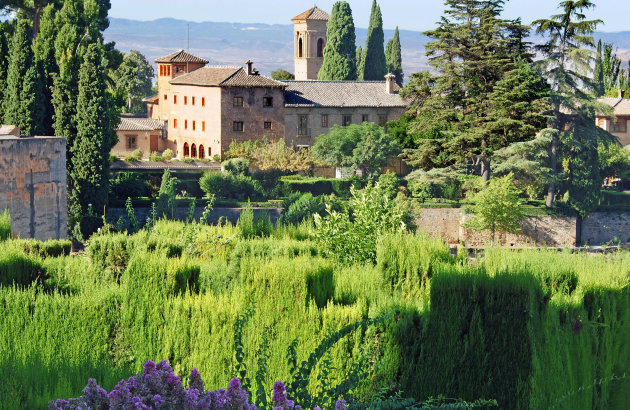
{"type": "Point", "coordinates": [5, 225]}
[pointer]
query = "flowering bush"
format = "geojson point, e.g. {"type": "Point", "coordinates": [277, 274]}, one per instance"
{"type": "Point", "coordinates": [157, 387]}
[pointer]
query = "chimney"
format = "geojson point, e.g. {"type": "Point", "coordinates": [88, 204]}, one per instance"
{"type": "Point", "coordinates": [389, 83]}
{"type": "Point", "coordinates": [622, 93]}
{"type": "Point", "coordinates": [249, 64]}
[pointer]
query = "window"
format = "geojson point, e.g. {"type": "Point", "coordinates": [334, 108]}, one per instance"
{"type": "Point", "coordinates": [320, 47]}
{"type": "Point", "coordinates": [300, 48]}
{"type": "Point", "coordinates": [174, 99]}
{"type": "Point", "coordinates": [193, 101]}
{"type": "Point", "coordinates": [202, 152]}
{"type": "Point", "coordinates": [168, 70]}
{"type": "Point", "coordinates": [382, 120]}
{"type": "Point", "coordinates": [203, 101]}
{"type": "Point", "coordinates": [194, 125]}
{"type": "Point", "coordinates": [174, 122]}
{"type": "Point", "coordinates": [185, 100]}
{"type": "Point", "coordinates": [237, 126]}
{"type": "Point", "coordinates": [162, 70]}
{"type": "Point", "coordinates": [185, 124]}
{"type": "Point", "coordinates": [186, 150]}
{"type": "Point", "coordinates": [267, 125]}
{"type": "Point", "coordinates": [131, 142]}
{"type": "Point", "coordinates": [618, 126]}
{"type": "Point", "coordinates": [303, 125]}
{"type": "Point", "coordinates": [324, 120]}
{"type": "Point", "coordinates": [346, 120]}
{"type": "Point", "coordinates": [237, 102]}
{"type": "Point", "coordinates": [365, 118]}
{"type": "Point", "coordinates": [193, 151]}
{"type": "Point", "coordinates": [165, 97]}
{"type": "Point", "coordinates": [601, 122]}
{"type": "Point", "coordinates": [267, 101]}
{"type": "Point", "coordinates": [203, 126]}
{"type": "Point", "coordinates": [180, 70]}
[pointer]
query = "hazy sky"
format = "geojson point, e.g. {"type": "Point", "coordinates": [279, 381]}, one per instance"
{"type": "Point", "coordinates": [407, 14]}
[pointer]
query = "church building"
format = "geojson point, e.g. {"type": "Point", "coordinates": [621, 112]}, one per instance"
{"type": "Point", "coordinates": [204, 108]}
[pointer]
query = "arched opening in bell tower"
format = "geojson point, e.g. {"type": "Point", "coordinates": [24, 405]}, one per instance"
{"type": "Point", "coordinates": [320, 47]}
{"type": "Point", "coordinates": [300, 50]}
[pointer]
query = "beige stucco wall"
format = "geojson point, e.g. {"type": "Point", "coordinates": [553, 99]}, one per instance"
{"type": "Point", "coordinates": [307, 67]}
{"type": "Point", "coordinates": [210, 113]}
{"type": "Point", "coordinates": [165, 88]}
{"type": "Point", "coordinates": [143, 143]}
{"type": "Point", "coordinates": [335, 116]}
{"type": "Point", "coordinates": [33, 186]}
{"type": "Point", "coordinates": [624, 137]}
{"type": "Point", "coordinates": [253, 115]}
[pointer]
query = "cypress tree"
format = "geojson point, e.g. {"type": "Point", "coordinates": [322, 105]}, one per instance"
{"type": "Point", "coordinates": [339, 54]}
{"type": "Point", "coordinates": [44, 56]}
{"type": "Point", "coordinates": [20, 59]}
{"type": "Point", "coordinates": [5, 30]}
{"type": "Point", "coordinates": [598, 72]}
{"type": "Point", "coordinates": [32, 110]}
{"type": "Point", "coordinates": [359, 57]}
{"type": "Point", "coordinates": [393, 56]}
{"type": "Point", "coordinates": [373, 65]}
{"type": "Point", "coordinates": [90, 159]}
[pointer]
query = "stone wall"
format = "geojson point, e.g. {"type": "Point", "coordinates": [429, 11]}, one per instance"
{"type": "Point", "coordinates": [33, 185]}
{"type": "Point", "coordinates": [603, 227]}
{"type": "Point", "coordinates": [441, 222]}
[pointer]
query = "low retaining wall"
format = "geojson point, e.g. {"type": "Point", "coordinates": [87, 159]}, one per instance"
{"type": "Point", "coordinates": [597, 229]}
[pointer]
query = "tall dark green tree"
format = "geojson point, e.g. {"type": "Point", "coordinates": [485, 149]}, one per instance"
{"type": "Point", "coordinates": [393, 56]}
{"type": "Point", "coordinates": [567, 58]}
{"type": "Point", "coordinates": [32, 110]}
{"type": "Point", "coordinates": [598, 72]}
{"type": "Point", "coordinates": [373, 65]}
{"type": "Point", "coordinates": [20, 60]}
{"type": "Point", "coordinates": [90, 149]}
{"type": "Point", "coordinates": [31, 9]}
{"type": "Point", "coordinates": [5, 41]}
{"type": "Point", "coordinates": [340, 51]}
{"type": "Point", "coordinates": [44, 56]}
{"type": "Point", "coordinates": [359, 56]}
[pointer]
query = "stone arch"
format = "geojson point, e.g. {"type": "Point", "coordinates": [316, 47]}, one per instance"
{"type": "Point", "coordinates": [202, 152]}
{"type": "Point", "coordinates": [193, 151]}
{"type": "Point", "coordinates": [186, 150]}
{"type": "Point", "coordinates": [300, 48]}
{"type": "Point", "coordinates": [320, 47]}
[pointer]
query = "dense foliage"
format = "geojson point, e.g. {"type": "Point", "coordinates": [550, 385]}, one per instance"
{"type": "Point", "coordinates": [393, 57]}
{"type": "Point", "coordinates": [373, 66]}
{"type": "Point", "coordinates": [340, 52]}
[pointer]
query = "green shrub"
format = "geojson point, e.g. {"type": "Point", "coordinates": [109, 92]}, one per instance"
{"type": "Point", "coordinates": [236, 166]}
{"type": "Point", "coordinates": [50, 248]}
{"type": "Point", "coordinates": [304, 207]}
{"type": "Point", "coordinates": [390, 184]}
{"type": "Point", "coordinates": [111, 252]}
{"type": "Point", "coordinates": [322, 186]}
{"type": "Point", "coordinates": [168, 154]}
{"type": "Point", "coordinates": [128, 185]}
{"type": "Point", "coordinates": [156, 157]}
{"type": "Point", "coordinates": [5, 225]}
{"type": "Point", "coordinates": [191, 186]}
{"type": "Point", "coordinates": [18, 268]}
{"type": "Point", "coordinates": [230, 186]}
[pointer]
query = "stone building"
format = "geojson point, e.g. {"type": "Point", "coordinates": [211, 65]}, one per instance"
{"type": "Point", "coordinates": [145, 134]}
{"type": "Point", "coordinates": [617, 126]}
{"type": "Point", "coordinates": [309, 33]}
{"type": "Point", "coordinates": [33, 184]}
{"type": "Point", "coordinates": [313, 107]}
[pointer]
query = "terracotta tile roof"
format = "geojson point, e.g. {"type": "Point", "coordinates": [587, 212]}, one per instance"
{"type": "Point", "coordinates": [225, 77]}
{"type": "Point", "coordinates": [152, 99]}
{"type": "Point", "coordinates": [312, 14]}
{"type": "Point", "coordinates": [181, 57]}
{"type": "Point", "coordinates": [621, 106]}
{"type": "Point", "coordinates": [139, 124]}
{"type": "Point", "coordinates": [174, 165]}
{"type": "Point", "coordinates": [208, 76]}
{"type": "Point", "coordinates": [340, 94]}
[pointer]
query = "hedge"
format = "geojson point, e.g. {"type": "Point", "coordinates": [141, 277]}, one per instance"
{"type": "Point", "coordinates": [324, 186]}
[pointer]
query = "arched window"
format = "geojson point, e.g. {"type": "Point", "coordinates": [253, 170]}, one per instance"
{"type": "Point", "coordinates": [320, 47]}
{"type": "Point", "coordinates": [209, 152]}
{"type": "Point", "coordinates": [186, 150]}
{"type": "Point", "coordinates": [300, 48]}
{"type": "Point", "coordinates": [193, 151]}
{"type": "Point", "coordinates": [202, 152]}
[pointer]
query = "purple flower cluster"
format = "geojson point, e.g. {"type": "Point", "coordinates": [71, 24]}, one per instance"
{"type": "Point", "coordinates": [157, 387]}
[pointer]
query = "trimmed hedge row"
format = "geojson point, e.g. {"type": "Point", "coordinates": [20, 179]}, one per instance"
{"type": "Point", "coordinates": [323, 186]}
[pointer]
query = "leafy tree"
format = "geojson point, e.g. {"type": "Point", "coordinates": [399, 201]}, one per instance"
{"type": "Point", "coordinates": [31, 9]}
{"type": "Point", "coordinates": [20, 60]}
{"type": "Point", "coordinates": [166, 197]}
{"type": "Point", "coordinates": [566, 63]}
{"type": "Point", "coordinates": [282, 75]}
{"type": "Point", "coordinates": [373, 65]}
{"type": "Point", "coordinates": [339, 53]}
{"type": "Point", "coordinates": [496, 208]}
{"type": "Point", "coordinates": [134, 78]}
{"type": "Point", "coordinates": [393, 55]}
{"type": "Point", "coordinates": [614, 161]}
{"type": "Point", "coordinates": [90, 160]}
{"type": "Point", "coordinates": [366, 147]}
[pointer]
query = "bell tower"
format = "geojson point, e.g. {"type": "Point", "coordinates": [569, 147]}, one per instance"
{"type": "Point", "coordinates": [309, 33]}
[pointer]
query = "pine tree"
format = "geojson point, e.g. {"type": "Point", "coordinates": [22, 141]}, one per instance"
{"type": "Point", "coordinates": [339, 54]}
{"type": "Point", "coordinates": [32, 110]}
{"type": "Point", "coordinates": [567, 67]}
{"type": "Point", "coordinates": [373, 65]}
{"type": "Point", "coordinates": [598, 72]}
{"type": "Point", "coordinates": [5, 37]}
{"type": "Point", "coordinates": [90, 160]}
{"type": "Point", "coordinates": [393, 55]}
{"type": "Point", "coordinates": [20, 60]}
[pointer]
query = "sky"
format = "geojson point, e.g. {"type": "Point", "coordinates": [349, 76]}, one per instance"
{"type": "Point", "coordinates": [415, 15]}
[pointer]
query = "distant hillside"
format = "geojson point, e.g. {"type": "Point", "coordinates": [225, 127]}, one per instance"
{"type": "Point", "coordinates": [269, 46]}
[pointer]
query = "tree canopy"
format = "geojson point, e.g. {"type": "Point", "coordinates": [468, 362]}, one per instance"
{"type": "Point", "coordinates": [373, 65]}
{"type": "Point", "coordinates": [393, 56]}
{"type": "Point", "coordinates": [340, 50]}
{"type": "Point", "coordinates": [134, 77]}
